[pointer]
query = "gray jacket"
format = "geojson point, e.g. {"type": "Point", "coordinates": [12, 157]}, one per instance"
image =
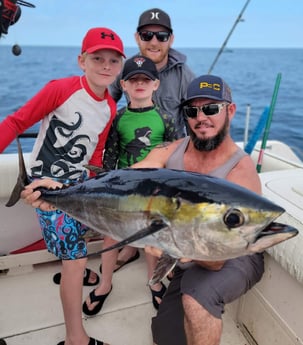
{"type": "Point", "coordinates": [174, 79]}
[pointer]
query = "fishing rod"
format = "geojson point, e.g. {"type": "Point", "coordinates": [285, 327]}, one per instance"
{"type": "Point", "coordinates": [268, 123]}
{"type": "Point", "coordinates": [239, 19]}
{"type": "Point", "coordinates": [28, 135]}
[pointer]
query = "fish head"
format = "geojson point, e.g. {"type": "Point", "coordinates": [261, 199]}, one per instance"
{"type": "Point", "coordinates": [242, 230]}
{"type": "Point", "coordinates": [229, 222]}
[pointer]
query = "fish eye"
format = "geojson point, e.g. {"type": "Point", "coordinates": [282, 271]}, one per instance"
{"type": "Point", "coordinates": [233, 218]}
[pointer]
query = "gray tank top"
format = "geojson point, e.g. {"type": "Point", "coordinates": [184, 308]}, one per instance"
{"type": "Point", "coordinates": [175, 161]}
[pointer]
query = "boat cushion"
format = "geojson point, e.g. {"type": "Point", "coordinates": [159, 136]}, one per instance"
{"type": "Point", "coordinates": [285, 187]}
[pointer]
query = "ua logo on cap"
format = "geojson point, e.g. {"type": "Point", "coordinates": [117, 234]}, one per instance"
{"type": "Point", "coordinates": [103, 35]}
{"type": "Point", "coordinates": [154, 15]}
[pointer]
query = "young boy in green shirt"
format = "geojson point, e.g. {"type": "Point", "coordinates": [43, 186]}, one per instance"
{"type": "Point", "coordinates": [136, 130]}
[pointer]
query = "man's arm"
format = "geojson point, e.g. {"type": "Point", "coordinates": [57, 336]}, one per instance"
{"type": "Point", "coordinates": [158, 157]}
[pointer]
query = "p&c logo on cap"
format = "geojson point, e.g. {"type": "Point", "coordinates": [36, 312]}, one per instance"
{"type": "Point", "coordinates": [214, 86]}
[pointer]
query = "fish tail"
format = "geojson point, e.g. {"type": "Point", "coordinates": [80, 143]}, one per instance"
{"type": "Point", "coordinates": [164, 266]}
{"type": "Point", "coordinates": [22, 179]}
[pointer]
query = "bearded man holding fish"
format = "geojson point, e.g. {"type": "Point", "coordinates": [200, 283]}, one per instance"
{"type": "Point", "coordinates": [191, 310]}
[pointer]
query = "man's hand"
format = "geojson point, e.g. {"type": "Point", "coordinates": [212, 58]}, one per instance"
{"type": "Point", "coordinates": [31, 196]}
{"type": "Point", "coordinates": [210, 265]}
{"type": "Point", "coordinates": [158, 252]}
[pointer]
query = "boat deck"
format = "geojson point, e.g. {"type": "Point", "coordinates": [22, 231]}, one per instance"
{"type": "Point", "coordinates": [31, 309]}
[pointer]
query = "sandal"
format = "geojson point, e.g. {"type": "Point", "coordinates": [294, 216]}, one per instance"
{"type": "Point", "coordinates": [93, 298]}
{"type": "Point", "coordinates": [92, 341]}
{"type": "Point", "coordinates": [86, 282]}
{"type": "Point", "coordinates": [158, 294]}
{"type": "Point", "coordinates": [122, 263]}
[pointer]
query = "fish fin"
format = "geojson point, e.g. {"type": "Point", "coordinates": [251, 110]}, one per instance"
{"type": "Point", "coordinates": [155, 226]}
{"type": "Point", "coordinates": [164, 266]}
{"type": "Point", "coordinates": [95, 169]}
{"type": "Point", "coordinates": [22, 179]}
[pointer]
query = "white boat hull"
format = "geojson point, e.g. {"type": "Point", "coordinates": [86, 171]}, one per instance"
{"type": "Point", "coordinates": [19, 227]}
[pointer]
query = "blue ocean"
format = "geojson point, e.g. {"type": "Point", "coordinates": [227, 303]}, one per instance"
{"type": "Point", "coordinates": [251, 73]}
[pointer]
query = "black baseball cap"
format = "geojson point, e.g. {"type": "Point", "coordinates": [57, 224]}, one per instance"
{"type": "Point", "coordinates": [139, 64]}
{"type": "Point", "coordinates": [155, 16]}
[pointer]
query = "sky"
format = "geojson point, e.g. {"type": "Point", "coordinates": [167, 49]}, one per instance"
{"type": "Point", "coordinates": [196, 23]}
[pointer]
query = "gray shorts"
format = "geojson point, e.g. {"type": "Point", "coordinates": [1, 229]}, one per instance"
{"type": "Point", "coordinates": [212, 289]}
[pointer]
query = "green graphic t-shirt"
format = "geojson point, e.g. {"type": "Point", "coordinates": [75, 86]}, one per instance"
{"type": "Point", "coordinates": [134, 133]}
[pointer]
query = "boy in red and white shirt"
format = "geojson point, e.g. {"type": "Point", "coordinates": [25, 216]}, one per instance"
{"type": "Point", "coordinates": [76, 114]}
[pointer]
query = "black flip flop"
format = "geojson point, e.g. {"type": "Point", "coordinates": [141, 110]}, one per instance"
{"type": "Point", "coordinates": [86, 282]}
{"type": "Point", "coordinates": [93, 298]}
{"type": "Point", "coordinates": [92, 341]}
{"type": "Point", "coordinates": [158, 294]}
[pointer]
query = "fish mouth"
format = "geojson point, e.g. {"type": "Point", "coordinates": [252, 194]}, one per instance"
{"type": "Point", "coordinates": [275, 228]}
{"type": "Point", "coordinates": [271, 235]}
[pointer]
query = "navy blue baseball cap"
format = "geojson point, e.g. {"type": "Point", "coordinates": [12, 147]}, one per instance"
{"type": "Point", "coordinates": [208, 86]}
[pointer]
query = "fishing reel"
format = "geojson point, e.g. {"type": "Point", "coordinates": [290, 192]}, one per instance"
{"type": "Point", "coordinates": [10, 13]}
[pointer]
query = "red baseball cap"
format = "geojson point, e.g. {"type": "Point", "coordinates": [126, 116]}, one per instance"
{"type": "Point", "coordinates": [102, 38]}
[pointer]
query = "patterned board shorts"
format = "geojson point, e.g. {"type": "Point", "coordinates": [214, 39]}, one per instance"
{"type": "Point", "coordinates": [62, 234]}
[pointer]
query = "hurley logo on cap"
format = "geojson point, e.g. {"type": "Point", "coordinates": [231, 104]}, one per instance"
{"type": "Point", "coordinates": [154, 15]}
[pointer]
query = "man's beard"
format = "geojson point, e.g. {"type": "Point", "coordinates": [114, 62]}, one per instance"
{"type": "Point", "coordinates": [212, 143]}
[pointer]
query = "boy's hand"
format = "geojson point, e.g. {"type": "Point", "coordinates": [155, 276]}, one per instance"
{"type": "Point", "coordinates": [31, 196]}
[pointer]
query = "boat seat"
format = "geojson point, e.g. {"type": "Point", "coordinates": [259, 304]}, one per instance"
{"type": "Point", "coordinates": [285, 188]}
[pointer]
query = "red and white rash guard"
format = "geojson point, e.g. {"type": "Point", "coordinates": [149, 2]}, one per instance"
{"type": "Point", "coordinates": [73, 130]}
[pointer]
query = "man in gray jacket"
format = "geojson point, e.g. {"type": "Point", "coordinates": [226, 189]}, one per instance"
{"type": "Point", "coordinates": [155, 37]}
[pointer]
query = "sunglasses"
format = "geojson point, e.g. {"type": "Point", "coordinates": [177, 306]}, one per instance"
{"type": "Point", "coordinates": [207, 109]}
{"type": "Point", "coordinates": [162, 36]}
